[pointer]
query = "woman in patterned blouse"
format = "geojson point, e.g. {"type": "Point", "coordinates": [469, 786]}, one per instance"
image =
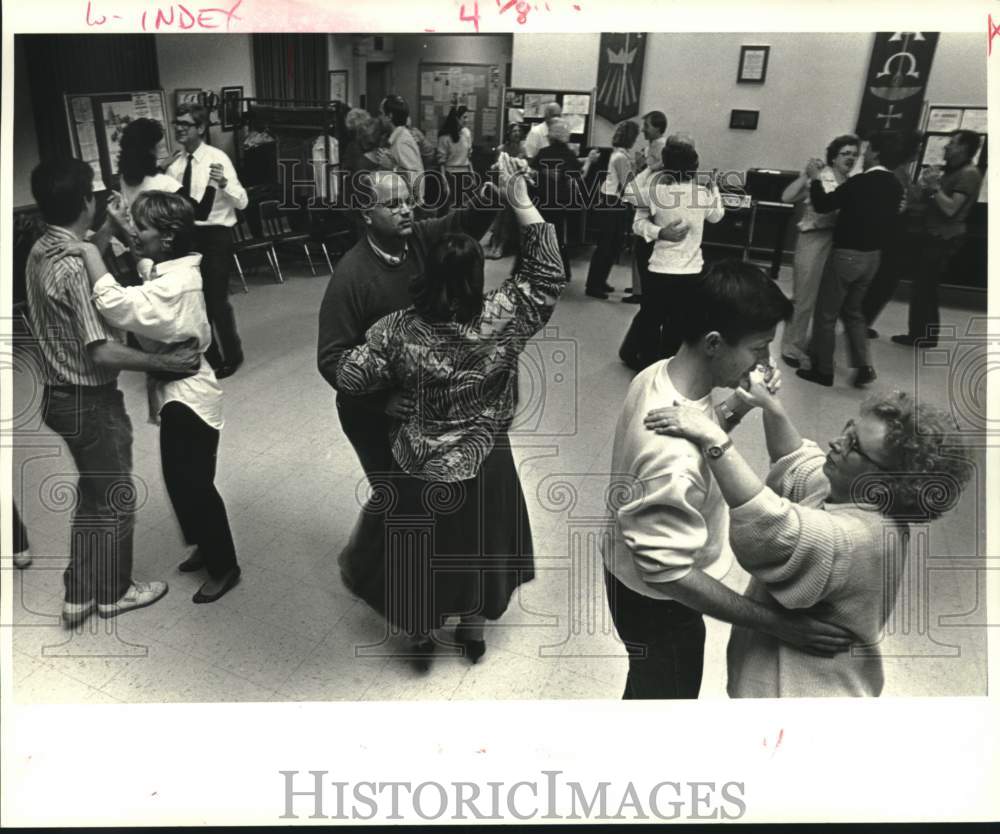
{"type": "Point", "coordinates": [441, 551]}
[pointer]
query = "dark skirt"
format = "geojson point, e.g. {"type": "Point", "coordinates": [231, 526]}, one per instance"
{"type": "Point", "coordinates": [423, 551]}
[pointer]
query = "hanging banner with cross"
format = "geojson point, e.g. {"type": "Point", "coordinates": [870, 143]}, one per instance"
{"type": "Point", "coordinates": [897, 78]}
{"type": "Point", "coordinates": [619, 75]}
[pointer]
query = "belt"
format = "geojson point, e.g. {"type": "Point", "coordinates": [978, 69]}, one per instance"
{"type": "Point", "coordinates": [82, 389]}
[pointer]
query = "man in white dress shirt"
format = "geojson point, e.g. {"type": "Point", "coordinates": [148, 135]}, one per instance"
{"type": "Point", "coordinates": [538, 136]}
{"type": "Point", "coordinates": [213, 236]}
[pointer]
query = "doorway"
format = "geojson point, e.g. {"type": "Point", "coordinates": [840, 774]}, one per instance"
{"type": "Point", "coordinates": [378, 84]}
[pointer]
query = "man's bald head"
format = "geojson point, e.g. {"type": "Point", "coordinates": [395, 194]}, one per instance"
{"type": "Point", "coordinates": [551, 111]}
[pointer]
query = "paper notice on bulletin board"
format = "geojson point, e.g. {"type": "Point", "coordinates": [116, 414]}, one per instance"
{"type": "Point", "coordinates": [471, 103]}
{"type": "Point", "coordinates": [426, 82]}
{"type": "Point", "coordinates": [88, 141]}
{"type": "Point", "coordinates": [493, 99]}
{"type": "Point", "coordinates": [576, 122]}
{"type": "Point", "coordinates": [489, 122]}
{"type": "Point", "coordinates": [941, 119]}
{"type": "Point", "coordinates": [440, 86]}
{"type": "Point", "coordinates": [974, 119]}
{"type": "Point", "coordinates": [934, 152]}
{"type": "Point", "coordinates": [428, 116]}
{"type": "Point", "coordinates": [82, 110]}
{"type": "Point", "coordinates": [532, 105]}
{"type": "Point", "coordinates": [576, 105]}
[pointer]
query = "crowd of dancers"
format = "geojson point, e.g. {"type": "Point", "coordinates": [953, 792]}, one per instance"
{"type": "Point", "coordinates": [424, 363]}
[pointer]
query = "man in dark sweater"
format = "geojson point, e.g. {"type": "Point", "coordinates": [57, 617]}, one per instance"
{"type": "Point", "coordinates": [868, 204]}
{"type": "Point", "coordinates": [371, 281]}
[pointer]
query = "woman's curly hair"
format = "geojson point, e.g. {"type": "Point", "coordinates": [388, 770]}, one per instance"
{"type": "Point", "coordinates": [929, 464]}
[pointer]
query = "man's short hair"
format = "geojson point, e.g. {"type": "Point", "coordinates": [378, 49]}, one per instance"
{"type": "Point", "coordinates": [395, 107]}
{"type": "Point", "coordinates": [657, 119]}
{"type": "Point", "coordinates": [198, 112]}
{"type": "Point", "coordinates": [889, 146]}
{"type": "Point", "coordinates": [679, 160]}
{"type": "Point", "coordinates": [969, 140]}
{"type": "Point", "coordinates": [551, 110]}
{"type": "Point", "coordinates": [61, 188]}
{"type": "Point", "coordinates": [734, 299]}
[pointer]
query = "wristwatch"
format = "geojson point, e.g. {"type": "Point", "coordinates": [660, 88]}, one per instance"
{"type": "Point", "coordinates": [716, 452]}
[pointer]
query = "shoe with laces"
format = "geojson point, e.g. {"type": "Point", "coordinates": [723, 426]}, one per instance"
{"type": "Point", "coordinates": [139, 595]}
{"type": "Point", "coordinates": [74, 613]}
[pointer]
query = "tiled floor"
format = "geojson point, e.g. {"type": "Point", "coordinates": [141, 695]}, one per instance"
{"type": "Point", "coordinates": [291, 632]}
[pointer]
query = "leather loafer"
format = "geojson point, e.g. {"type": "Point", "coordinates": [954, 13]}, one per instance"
{"type": "Point", "coordinates": [864, 376]}
{"type": "Point", "coordinates": [632, 299]}
{"type": "Point", "coordinates": [909, 341]}
{"type": "Point", "coordinates": [812, 375]}
{"type": "Point", "coordinates": [193, 562]}
{"type": "Point", "coordinates": [231, 581]}
{"type": "Point", "coordinates": [596, 293]}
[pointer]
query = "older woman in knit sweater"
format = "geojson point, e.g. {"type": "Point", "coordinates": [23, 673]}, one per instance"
{"type": "Point", "coordinates": [826, 532]}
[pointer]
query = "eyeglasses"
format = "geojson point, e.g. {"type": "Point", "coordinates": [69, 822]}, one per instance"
{"type": "Point", "coordinates": [186, 125]}
{"type": "Point", "coordinates": [851, 436]}
{"type": "Point", "coordinates": [399, 207]}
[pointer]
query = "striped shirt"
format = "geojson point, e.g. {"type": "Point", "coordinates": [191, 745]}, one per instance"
{"type": "Point", "coordinates": [462, 376]}
{"type": "Point", "coordinates": [63, 317]}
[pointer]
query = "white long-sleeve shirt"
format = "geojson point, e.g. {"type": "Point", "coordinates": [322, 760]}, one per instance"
{"type": "Point", "coordinates": [669, 514]}
{"type": "Point", "coordinates": [667, 202]}
{"type": "Point", "coordinates": [841, 561]}
{"type": "Point", "coordinates": [168, 308]}
{"type": "Point", "coordinates": [227, 200]}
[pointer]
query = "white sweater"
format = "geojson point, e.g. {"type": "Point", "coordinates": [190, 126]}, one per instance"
{"type": "Point", "coordinates": [669, 514]}
{"type": "Point", "coordinates": [667, 202]}
{"type": "Point", "coordinates": [829, 558]}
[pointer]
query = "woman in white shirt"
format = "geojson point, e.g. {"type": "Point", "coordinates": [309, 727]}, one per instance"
{"type": "Point", "coordinates": [454, 147]}
{"type": "Point", "coordinates": [615, 214]}
{"type": "Point", "coordinates": [815, 242]}
{"type": "Point", "coordinates": [167, 309]}
{"type": "Point", "coordinates": [675, 265]}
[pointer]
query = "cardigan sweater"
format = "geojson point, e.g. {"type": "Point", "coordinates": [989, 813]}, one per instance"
{"type": "Point", "coordinates": [868, 204]}
{"type": "Point", "coordinates": [841, 561]}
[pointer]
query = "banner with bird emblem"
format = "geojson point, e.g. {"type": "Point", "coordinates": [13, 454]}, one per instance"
{"type": "Point", "coordinates": [897, 78]}
{"type": "Point", "coordinates": [619, 75]}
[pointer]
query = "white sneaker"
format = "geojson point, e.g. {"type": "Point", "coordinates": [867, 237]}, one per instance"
{"type": "Point", "coordinates": [74, 613]}
{"type": "Point", "coordinates": [139, 595]}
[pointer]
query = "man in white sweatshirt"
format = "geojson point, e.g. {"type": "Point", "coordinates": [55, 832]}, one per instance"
{"type": "Point", "coordinates": [668, 548]}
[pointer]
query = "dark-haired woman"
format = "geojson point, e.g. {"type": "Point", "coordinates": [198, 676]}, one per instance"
{"type": "Point", "coordinates": [454, 147]}
{"type": "Point", "coordinates": [452, 516]}
{"type": "Point", "coordinates": [814, 244]}
{"type": "Point", "coordinates": [674, 265]}
{"type": "Point", "coordinates": [503, 232]}
{"type": "Point", "coordinates": [615, 214]}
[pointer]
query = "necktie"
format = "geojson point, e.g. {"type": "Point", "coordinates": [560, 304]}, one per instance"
{"type": "Point", "coordinates": [186, 180]}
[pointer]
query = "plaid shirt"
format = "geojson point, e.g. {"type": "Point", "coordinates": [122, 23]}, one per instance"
{"type": "Point", "coordinates": [63, 317]}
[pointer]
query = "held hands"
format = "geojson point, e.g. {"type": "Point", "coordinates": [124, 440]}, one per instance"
{"type": "Point", "coordinates": [400, 405]}
{"type": "Point", "coordinates": [930, 178]}
{"type": "Point", "coordinates": [757, 392]}
{"type": "Point", "coordinates": [687, 422]}
{"type": "Point", "coordinates": [676, 231]}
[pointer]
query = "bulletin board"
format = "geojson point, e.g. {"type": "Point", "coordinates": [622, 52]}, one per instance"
{"type": "Point", "coordinates": [95, 122]}
{"type": "Point", "coordinates": [524, 105]}
{"type": "Point", "coordinates": [939, 121]}
{"type": "Point", "coordinates": [477, 86]}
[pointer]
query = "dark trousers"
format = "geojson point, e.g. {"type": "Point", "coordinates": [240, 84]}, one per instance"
{"type": "Point", "coordinates": [368, 432]}
{"type": "Point", "coordinates": [20, 534]}
{"type": "Point", "coordinates": [188, 454]}
{"type": "Point", "coordinates": [98, 432]}
{"type": "Point", "coordinates": [630, 351]}
{"type": "Point", "coordinates": [215, 243]}
{"type": "Point", "coordinates": [896, 263]}
{"type": "Point", "coordinates": [933, 257]}
{"type": "Point", "coordinates": [848, 275]}
{"type": "Point", "coordinates": [666, 301]}
{"type": "Point", "coordinates": [615, 219]}
{"type": "Point", "coordinates": [665, 642]}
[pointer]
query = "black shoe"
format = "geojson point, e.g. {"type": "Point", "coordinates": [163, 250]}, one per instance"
{"type": "Point", "coordinates": [909, 341]}
{"type": "Point", "coordinates": [812, 375]}
{"type": "Point", "coordinates": [872, 333]}
{"type": "Point", "coordinates": [608, 288]}
{"type": "Point", "coordinates": [791, 361]}
{"type": "Point", "coordinates": [632, 299]}
{"type": "Point", "coordinates": [193, 562]}
{"type": "Point", "coordinates": [422, 655]}
{"type": "Point", "coordinates": [232, 579]}
{"type": "Point", "coordinates": [864, 376]}
{"type": "Point", "coordinates": [472, 649]}
{"type": "Point", "coordinates": [596, 294]}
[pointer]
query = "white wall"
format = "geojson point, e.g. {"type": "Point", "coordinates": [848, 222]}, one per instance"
{"type": "Point", "coordinates": [812, 91]}
{"type": "Point", "coordinates": [206, 62]}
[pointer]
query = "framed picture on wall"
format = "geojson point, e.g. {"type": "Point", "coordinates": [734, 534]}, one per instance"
{"type": "Point", "coordinates": [743, 119]}
{"type": "Point", "coordinates": [338, 85]}
{"type": "Point", "coordinates": [186, 97]}
{"type": "Point", "coordinates": [753, 64]}
{"type": "Point", "coordinates": [230, 107]}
